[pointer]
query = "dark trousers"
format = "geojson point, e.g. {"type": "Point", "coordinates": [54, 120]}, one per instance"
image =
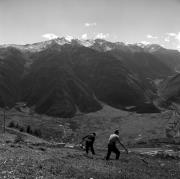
{"type": "Point", "coordinates": [89, 145]}
{"type": "Point", "coordinates": [112, 148]}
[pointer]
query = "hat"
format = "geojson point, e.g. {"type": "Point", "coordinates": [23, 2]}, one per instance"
{"type": "Point", "coordinates": [94, 133]}
{"type": "Point", "coordinates": [116, 131]}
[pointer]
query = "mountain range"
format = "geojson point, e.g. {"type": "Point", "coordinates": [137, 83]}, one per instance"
{"type": "Point", "coordinates": [63, 77]}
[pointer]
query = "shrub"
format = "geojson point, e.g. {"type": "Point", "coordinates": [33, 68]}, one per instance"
{"type": "Point", "coordinates": [21, 129]}
{"type": "Point", "coordinates": [17, 126]}
{"type": "Point", "coordinates": [11, 124]}
{"type": "Point", "coordinates": [18, 139]}
{"type": "Point", "coordinates": [37, 132]}
{"type": "Point", "coordinates": [28, 129]}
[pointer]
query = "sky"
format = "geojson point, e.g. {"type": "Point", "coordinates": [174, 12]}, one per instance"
{"type": "Point", "coordinates": [129, 21]}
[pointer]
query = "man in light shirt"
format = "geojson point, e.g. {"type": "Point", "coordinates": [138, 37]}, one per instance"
{"type": "Point", "coordinates": [113, 140]}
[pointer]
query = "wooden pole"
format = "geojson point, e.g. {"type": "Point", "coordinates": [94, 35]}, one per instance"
{"type": "Point", "coordinates": [4, 128]}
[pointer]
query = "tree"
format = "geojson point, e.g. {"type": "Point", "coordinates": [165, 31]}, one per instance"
{"type": "Point", "coordinates": [28, 129]}
{"type": "Point", "coordinates": [173, 129]}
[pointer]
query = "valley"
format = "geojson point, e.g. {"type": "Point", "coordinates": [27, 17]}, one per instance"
{"type": "Point", "coordinates": [89, 89]}
{"type": "Point", "coordinates": [55, 92]}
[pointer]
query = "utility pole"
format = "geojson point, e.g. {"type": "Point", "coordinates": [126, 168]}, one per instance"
{"type": "Point", "coordinates": [64, 130]}
{"type": "Point", "coordinates": [4, 117]}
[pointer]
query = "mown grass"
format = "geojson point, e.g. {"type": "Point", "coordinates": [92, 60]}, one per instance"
{"type": "Point", "coordinates": [23, 160]}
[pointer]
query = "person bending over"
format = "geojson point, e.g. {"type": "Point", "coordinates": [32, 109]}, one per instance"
{"type": "Point", "coordinates": [89, 142]}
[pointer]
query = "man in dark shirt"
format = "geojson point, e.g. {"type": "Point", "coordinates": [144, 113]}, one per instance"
{"type": "Point", "coordinates": [113, 139]}
{"type": "Point", "coordinates": [89, 141]}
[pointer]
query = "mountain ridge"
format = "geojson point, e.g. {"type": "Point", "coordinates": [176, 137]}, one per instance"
{"type": "Point", "coordinates": [38, 46]}
{"type": "Point", "coordinates": [60, 77]}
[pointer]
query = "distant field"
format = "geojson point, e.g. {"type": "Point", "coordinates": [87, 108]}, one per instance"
{"type": "Point", "coordinates": [132, 126]}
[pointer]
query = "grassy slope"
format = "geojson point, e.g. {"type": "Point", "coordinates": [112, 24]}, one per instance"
{"type": "Point", "coordinates": [24, 160]}
{"type": "Point", "coordinates": [132, 126]}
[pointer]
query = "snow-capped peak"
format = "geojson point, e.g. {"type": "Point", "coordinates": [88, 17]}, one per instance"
{"type": "Point", "coordinates": [86, 43]}
{"type": "Point", "coordinates": [98, 44]}
{"type": "Point", "coordinates": [69, 38]}
{"type": "Point", "coordinates": [61, 41]}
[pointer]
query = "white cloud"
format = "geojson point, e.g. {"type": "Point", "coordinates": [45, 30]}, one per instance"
{"type": "Point", "coordinates": [102, 36]}
{"type": "Point", "coordinates": [145, 42]}
{"type": "Point", "coordinates": [90, 24]}
{"type": "Point", "coordinates": [178, 47]}
{"type": "Point", "coordinates": [174, 35]}
{"type": "Point", "coordinates": [84, 36]}
{"type": "Point", "coordinates": [178, 36]}
{"type": "Point", "coordinates": [50, 36]}
{"type": "Point", "coordinates": [151, 37]}
{"type": "Point", "coordinates": [167, 39]}
{"type": "Point", "coordinates": [171, 34]}
{"type": "Point", "coordinates": [174, 39]}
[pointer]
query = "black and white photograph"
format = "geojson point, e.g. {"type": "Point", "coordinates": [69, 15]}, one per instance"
{"type": "Point", "coordinates": [89, 89]}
